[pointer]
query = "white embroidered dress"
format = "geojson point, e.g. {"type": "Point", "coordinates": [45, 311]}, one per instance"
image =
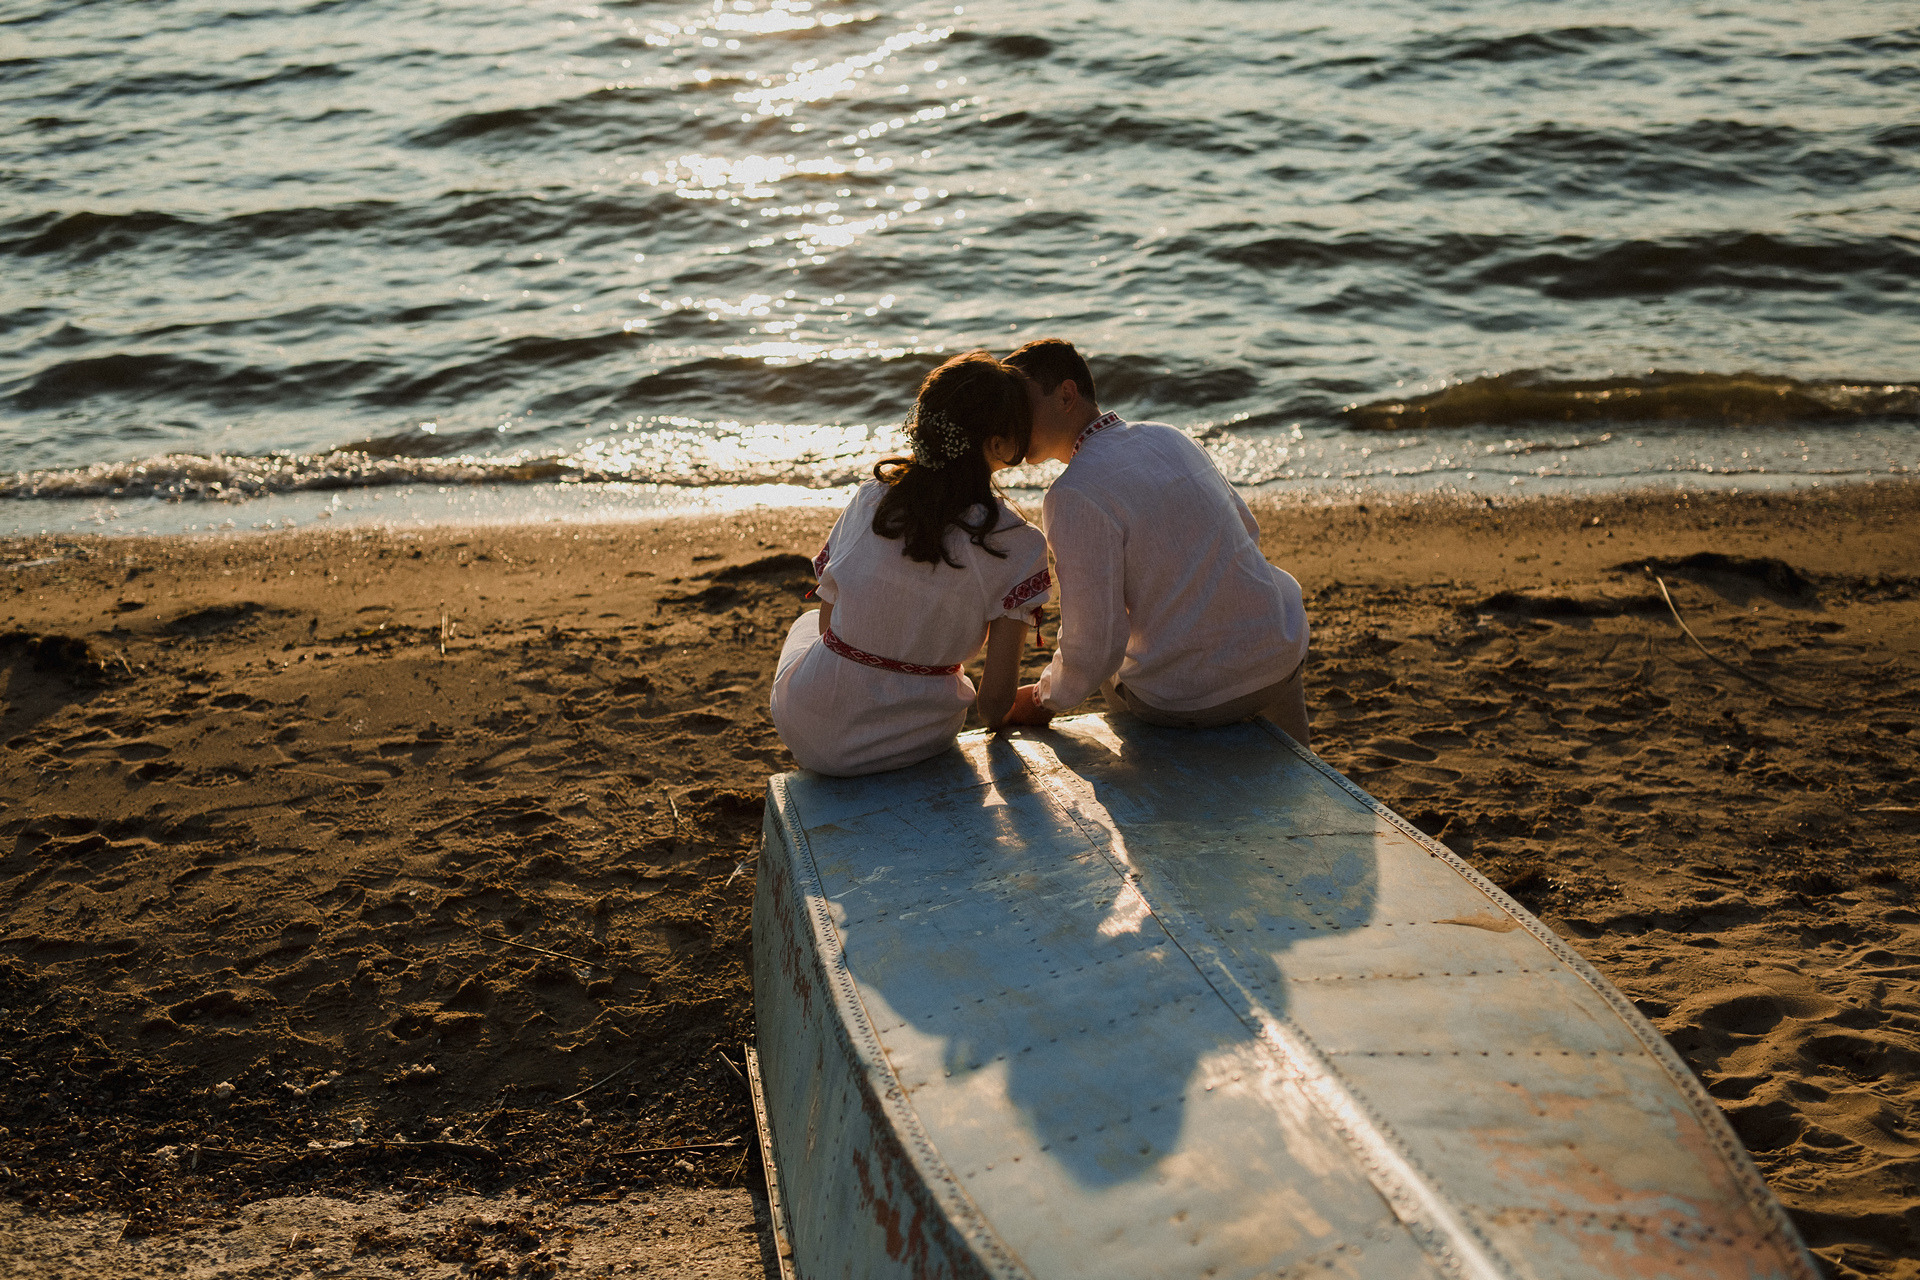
{"type": "Point", "coordinates": [885, 689]}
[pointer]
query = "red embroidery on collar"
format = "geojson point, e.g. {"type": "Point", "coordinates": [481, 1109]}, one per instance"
{"type": "Point", "coordinates": [1039, 582]}
{"type": "Point", "coordinates": [1100, 423]}
{"type": "Point", "coordinates": [861, 656]}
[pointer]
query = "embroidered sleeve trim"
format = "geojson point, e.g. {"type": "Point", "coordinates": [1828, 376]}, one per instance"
{"type": "Point", "coordinates": [861, 656]}
{"type": "Point", "coordinates": [1038, 583]}
{"type": "Point", "coordinates": [820, 563]}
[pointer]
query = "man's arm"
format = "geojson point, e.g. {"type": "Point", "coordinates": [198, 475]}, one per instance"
{"type": "Point", "coordinates": [1089, 560]}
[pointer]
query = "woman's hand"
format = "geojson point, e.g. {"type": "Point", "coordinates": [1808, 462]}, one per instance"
{"type": "Point", "coordinates": [1005, 638]}
{"type": "Point", "coordinates": [1026, 709]}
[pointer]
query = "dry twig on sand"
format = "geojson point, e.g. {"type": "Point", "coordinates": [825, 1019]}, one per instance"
{"type": "Point", "coordinates": [1714, 658]}
{"type": "Point", "coordinates": [733, 1070]}
{"type": "Point", "coordinates": [597, 1083]}
{"type": "Point", "coordinates": [684, 1146]}
{"type": "Point", "coordinates": [528, 946]}
{"type": "Point", "coordinates": [499, 1110]}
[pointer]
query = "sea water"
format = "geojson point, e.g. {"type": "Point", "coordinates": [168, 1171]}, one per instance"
{"type": "Point", "coordinates": [431, 260]}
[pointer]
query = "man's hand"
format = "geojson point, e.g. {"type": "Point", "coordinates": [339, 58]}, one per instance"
{"type": "Point", "coordinates": [1027, 709]}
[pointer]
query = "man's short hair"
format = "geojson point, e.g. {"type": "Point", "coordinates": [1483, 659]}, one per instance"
{"type": "Point", "coordinates": [1050, 362]}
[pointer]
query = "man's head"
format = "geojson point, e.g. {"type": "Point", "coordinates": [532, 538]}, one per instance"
{"type": "Point", "coordinates": [1060, 389]}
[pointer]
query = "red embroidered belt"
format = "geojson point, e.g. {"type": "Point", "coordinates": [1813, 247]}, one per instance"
{"type": "Point", "coordinates": [864, 658]}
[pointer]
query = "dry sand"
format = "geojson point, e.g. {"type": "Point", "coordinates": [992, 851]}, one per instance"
{"type": "Point", "coordinates": [677, 1235]}
{"type": "Point", "coordinates": [313, 926]}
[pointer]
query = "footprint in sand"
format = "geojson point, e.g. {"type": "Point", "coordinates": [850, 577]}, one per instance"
{"type": "Point", "coordinates": [1867, 1055]}
{"type": "Point", "coordinates": [1447, 737]}
{"type": "Point", "coordinates": [214, 1006]}
{"type": "Point", "coordinates": [1870, 1121]}
{"type": "Point", "coordinates": [701, 722]}
{"type": "Point", "coordinates": [1437, 775]}
{"type": "Point", "coordinates": [392, 911]}
{"type": "Point", "coordinates": [1767, 1126]}
{"type": "Point", "coordinates": [417, 749]}
{"type": "Point", "coordinates": [1756, 1010]}
{"type": "Point", "coordinates": [1401, 749]}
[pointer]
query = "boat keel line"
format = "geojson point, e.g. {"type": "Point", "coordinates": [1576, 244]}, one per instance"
{"type": "Point", "coordinates": [1766, 1208]}
{"type": "Point", "coordinates": [1443, 1233]}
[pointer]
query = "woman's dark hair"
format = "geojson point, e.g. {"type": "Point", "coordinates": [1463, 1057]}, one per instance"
{"type": "Point", "coordinates": [961, 405]}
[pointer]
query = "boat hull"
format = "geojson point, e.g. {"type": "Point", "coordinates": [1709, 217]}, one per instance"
{"type": "Point", "coordinates": [1111, 1000]}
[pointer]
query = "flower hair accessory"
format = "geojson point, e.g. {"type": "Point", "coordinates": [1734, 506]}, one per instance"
{"type": "Point", "coordinates": [937, 439]}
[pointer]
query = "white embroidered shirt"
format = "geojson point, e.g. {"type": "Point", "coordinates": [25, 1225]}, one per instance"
{"type": "Point", "coordinates": [1160, 576]}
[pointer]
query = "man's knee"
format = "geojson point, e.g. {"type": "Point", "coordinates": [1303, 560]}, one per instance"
{"type": "Point", "coordinates": [1289, 711]}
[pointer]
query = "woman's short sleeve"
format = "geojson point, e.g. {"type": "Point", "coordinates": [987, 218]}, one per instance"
{"type": "Point", "coordinates": [827, 589]}
{"type": "Point", "coordinates": [854, 519]}
{"type": "Point", "coordinates": [1029, 583]}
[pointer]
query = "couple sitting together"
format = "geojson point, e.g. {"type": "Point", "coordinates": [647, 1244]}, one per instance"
{"type": "Point", "coordinates": [1166, 604]}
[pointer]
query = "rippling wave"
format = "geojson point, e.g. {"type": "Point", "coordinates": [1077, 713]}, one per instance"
{"type": "Point", "coordinates": [1714, 399]}
{"type": "Point", "coordinates": [458, 243]}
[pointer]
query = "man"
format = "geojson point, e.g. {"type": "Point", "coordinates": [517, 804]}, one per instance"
{"type": "Point", "coordinates": [1166, 603]}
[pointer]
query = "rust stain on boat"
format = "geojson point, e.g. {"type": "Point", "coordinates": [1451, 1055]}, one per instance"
{"type": "Point", "coordinates": [1491, 923]}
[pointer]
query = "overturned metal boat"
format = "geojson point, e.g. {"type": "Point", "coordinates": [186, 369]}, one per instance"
{"type": "Point", "coordinates": [1115, 1001]}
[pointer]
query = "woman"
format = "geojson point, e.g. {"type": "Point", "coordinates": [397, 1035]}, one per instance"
{"type": "Point", "coordinates": [925, 566]}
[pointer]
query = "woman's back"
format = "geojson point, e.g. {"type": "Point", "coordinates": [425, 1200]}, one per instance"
{"type": "Point", "coordinates": [926, 613]}
{"type": "Point", "coordinates": [884, 687]}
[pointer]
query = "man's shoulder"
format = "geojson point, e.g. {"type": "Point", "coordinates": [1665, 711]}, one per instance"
{"type": "Point", "coordinates": [1073, 497]}
{"type": "Point", "coordinates": [1105, 445]}
{"type": "Point", "coordinates": [1168, 434]}
{"type": "Point", "coordinates": [1113, 454]}
{"type": "Point", "coordinates": [1134, 473]}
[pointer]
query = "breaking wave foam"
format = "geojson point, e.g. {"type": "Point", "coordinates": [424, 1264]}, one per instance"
{"type": "Point", "coordinates": [230, 478]}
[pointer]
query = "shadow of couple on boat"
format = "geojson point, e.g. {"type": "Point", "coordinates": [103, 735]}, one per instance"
{"type": "Point", "coordinates": [1090, 924]}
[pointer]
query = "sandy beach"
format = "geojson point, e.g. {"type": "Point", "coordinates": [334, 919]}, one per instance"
{"type": "Point", "coordinates": [380, 900]}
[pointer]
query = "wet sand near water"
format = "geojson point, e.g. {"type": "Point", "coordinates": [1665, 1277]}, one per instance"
{"type": "Point", "coordinates": [393, 889]}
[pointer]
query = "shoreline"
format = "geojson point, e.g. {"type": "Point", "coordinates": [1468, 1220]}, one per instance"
{"type": "Point", "coordinates": [427, 830]}
{"type": "Point", "coordinates": [582, 504]}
